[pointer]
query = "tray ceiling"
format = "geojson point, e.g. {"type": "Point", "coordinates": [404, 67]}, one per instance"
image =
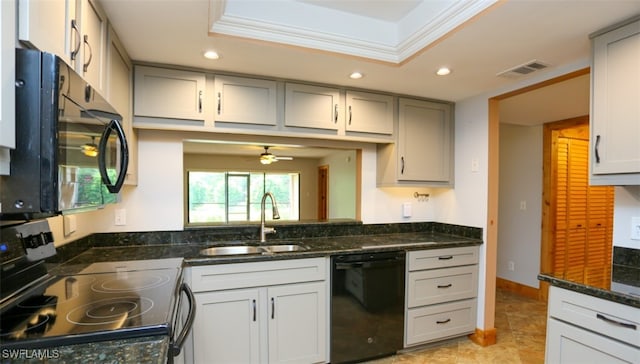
{"type": "Point", "coordinates": [388, 31]}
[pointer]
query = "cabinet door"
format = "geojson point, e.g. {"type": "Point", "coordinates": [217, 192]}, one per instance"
{"type": "Point", "coordinates": [570, 344]}
{"type": "Point", "coordinates": [369, 113]}
{"type": "Point", "coordinates": [118, 90]}
{"type": "Point", "coordinates": [309, 106]}
{"type": "Point", "coordinates": [227, 327]}
{"type": "Point", "coordinates": [93, 28]}
{"type": "Point", "coordinates": [615, 126]}
{"type": "Point", "coordinates": [165, 93]}
{"type": "Point", "coordinates": [245, 100]}
{"type": "Point", "coordinates": [46, 25]}
{"type": "Point", "coordinates": [424, 141]}
{"type": "Point", "coordinates": [297, 323]}
{"type": "Point", "coordinates": [7, 83]}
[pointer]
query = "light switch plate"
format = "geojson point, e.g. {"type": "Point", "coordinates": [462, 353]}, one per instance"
{"type": "Point", "coordinates": [406, 209]}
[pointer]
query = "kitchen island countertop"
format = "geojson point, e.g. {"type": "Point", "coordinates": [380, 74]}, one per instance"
{"type": "Point", "coordinates": [591, 290]}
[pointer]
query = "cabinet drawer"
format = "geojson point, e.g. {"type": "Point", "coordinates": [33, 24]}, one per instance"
{"type": "Point", "coordinates": [436, 322]}
{"type": "Point", "coordinates": [442, 285]}
{"type": "Point", "coordinates": [241, 275]}
{"type": "Point", "coordinates": [570, 344]}
{"type": "Point", "coordinates": [608, 318]}
{"type": "Point", "coordinates": [441, 258]}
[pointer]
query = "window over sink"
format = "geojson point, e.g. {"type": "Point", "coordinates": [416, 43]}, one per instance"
{"type": "Point", "coordinates": [232, 196]}
{"type": "Point", "coordinates": [326, 177]}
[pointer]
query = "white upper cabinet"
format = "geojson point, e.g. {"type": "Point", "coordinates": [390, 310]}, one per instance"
{"type": "Point", "coordinates": [423, 152]}
{"type": "Point", "coordinates": [168, 93]}
{"type": "Point", "coordinates": [615, 107]}
{"type": "Point", "coordinates": [309, 106]}
{"type": "Point", "coordinates": [245, 100]}
{"type": "Point", "coordinates": [7, 83]}
{"type": "Point", "coordinates": [74, 31]}
{"type": "Point", "coordinates": [93, 30]}
{"type": "Point", "coordinates": [47, 26]}
{"type": "Point", "coordinates": [369, 113]}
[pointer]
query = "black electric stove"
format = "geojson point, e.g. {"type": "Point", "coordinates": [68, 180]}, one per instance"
{"type": "Point", "coordinates": [90, 307]}
{"type": "Point", "coordinates": [105, 301]}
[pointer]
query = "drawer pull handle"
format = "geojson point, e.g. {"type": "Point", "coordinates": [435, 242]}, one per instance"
{"type": "Point", "coordinates": [445, 285]}
{"type": "Point", "coordinates": [615, 322]}
{"type": "Point", "coordinates": [443, 322]}
{"type": "Point", "coordinates": [448, 257]}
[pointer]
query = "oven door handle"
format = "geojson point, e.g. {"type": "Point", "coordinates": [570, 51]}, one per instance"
{"type": "Point", "coordinates": [176, 346]}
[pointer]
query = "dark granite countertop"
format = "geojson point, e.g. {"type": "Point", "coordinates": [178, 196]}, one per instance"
{"type": "Point", "coordinates": [312, 247]}
{"type": "Point", "coordinates": [591, 290]}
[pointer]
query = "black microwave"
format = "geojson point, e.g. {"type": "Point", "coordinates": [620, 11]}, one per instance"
{"type": "Point", "coordinates": [71, 151]}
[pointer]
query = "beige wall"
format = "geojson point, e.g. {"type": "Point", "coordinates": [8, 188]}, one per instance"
{"type": "Point", "coordinates": [308, 169]}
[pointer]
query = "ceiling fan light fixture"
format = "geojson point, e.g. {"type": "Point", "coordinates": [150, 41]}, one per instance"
{"type": "Point", "coordinates": [266, 157]}
{"type": "Point", "coordinates": [90, 149]}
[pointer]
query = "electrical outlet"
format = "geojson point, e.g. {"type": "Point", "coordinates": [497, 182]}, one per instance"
{"type": "Point", "coordinates": [512, 266]}
{"type": "Point", "coordinates": [120, 217]}
{"type": "Point", "coordinates": [475, 165]}
{"type": "Point", "coordinates": [635, 228]}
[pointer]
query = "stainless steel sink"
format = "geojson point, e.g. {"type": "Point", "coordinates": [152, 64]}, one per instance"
{"type": "Point", "coordinates": [232, 250]}
{"type": "Point", "coordinates": [251, 249]}
{"type": "Point", "coordinates": [284, 248]}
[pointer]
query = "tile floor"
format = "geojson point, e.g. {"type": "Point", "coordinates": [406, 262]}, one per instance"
{"type": "Point", "coordinates": [521, 326]}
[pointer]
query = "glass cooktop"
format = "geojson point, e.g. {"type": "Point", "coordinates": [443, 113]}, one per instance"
{"type": "Point", "coordinates": [94, 304]}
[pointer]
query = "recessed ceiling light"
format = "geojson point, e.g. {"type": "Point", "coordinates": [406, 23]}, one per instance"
{"type": "Point", "coordinates": [443, 71]}
{"type": "Point", "coordinates": [356, 75]}
{"type": "Point", "coordinates": [211, 55]}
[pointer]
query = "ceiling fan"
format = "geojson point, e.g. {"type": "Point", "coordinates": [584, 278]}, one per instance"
{"type": "Point", "coordinates": [268, 158]}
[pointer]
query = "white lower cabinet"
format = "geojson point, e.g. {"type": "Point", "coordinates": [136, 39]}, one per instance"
{"type": "Point", "coordinates": [257, 322]}
{"type": "Point", "coordinates": [442, 286]}
{"type": "Point", "coordinates": [586, 329]}
{"type": "Point", "coordinates": [570, 344]}
{"type": "Point", "coordinates": [227, 329]}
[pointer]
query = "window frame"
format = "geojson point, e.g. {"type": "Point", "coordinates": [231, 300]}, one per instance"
{"type": "Point", "coordinates": [295, 195]}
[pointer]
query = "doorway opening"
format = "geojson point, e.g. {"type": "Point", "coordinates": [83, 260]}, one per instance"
{"type": "Point", "coordinates": [577, 219]}
{"type": "Point", "coordinates": [323, 192]}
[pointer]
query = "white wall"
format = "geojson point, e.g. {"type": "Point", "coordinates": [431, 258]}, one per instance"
{"type": "Point", "coordinates": [627, 205]}
{"type": "Point", "coordinates": [519, 231]}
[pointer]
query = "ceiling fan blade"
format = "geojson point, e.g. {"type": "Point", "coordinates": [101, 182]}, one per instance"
{"type": "Point", "coordinates": [284, 158]}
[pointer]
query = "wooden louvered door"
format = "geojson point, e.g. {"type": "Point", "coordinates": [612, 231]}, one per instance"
{"type": "Point", "coordinates": [583, 218]}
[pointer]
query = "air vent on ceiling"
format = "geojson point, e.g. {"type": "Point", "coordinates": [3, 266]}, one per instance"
{"type": "Point", "coordinates": [524, 69]}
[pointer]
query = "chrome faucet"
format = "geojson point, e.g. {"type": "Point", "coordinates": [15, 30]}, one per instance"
{"type": "Point", "coordinates": [267, 230]}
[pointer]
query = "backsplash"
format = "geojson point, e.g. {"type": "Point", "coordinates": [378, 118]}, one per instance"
{"type": "Point", "coordinates": [626, 266]}
{"type": "Point", "coordinates": [299, 230]}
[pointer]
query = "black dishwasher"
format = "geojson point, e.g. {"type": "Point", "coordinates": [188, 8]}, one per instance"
{"type": "Point", "coordinates": [367, 305]}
